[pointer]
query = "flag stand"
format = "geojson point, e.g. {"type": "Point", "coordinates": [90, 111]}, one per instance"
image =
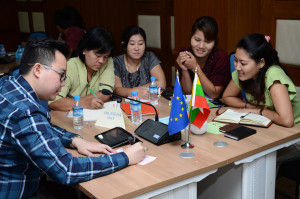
{"type": "Point", "coordinates": [187, 144]}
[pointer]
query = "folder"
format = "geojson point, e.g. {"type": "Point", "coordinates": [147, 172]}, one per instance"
{"type": "Point", "coordinates": [146, 110]}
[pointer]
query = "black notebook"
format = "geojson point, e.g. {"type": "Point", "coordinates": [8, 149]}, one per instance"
{"type": "Point", "coordinates": [239, 132]}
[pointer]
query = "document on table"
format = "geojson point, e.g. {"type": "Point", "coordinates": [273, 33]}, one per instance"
{"type": "Point", "coordinates": [214, 127]}
{"type": "Point", "coordinates": [110, 118]}
{"type": "Point", "coordinates": [94, 114]}
{"type": "Point", "coordinates": [147, 158]}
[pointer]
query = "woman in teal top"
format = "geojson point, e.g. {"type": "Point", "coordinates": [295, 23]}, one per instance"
{"type": "Point", "coordinates": [268, 88]}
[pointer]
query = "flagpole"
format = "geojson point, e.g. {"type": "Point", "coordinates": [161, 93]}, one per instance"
{"type": "Point", "coordinates": [187, 144]}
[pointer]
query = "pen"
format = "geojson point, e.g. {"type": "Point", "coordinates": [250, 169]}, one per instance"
{"type": "Point", "coordinates": [244, 115]}
{"type": "Point", "coordinates": [93, 93]}
{"type": "Point", "coordinates": [162, 90]}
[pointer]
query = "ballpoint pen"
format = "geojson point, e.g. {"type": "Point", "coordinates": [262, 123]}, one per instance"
{"type": "Point", "coordinates": [244, 115]}
{"type": "Point", "coordinates": [93, 93]}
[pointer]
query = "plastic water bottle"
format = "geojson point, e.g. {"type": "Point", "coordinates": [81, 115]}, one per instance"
{"type": "Point", "coordinates": [153, 91]}
{"type": "Point", "coordinates": [19, 54]}
{"type": "Point", "coordinates": [136, 113]}
{"type": "Point", "coordinates": [77, 114]}
{"type": "Point", "coordinates": [2, 50]}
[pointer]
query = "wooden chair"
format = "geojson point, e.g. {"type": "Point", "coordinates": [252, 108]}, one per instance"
{"type": "Point", "coordinates": [232, 68]}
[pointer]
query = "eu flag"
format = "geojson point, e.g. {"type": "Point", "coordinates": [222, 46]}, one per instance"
{"type": "Point", "coordinates": [178, 115]}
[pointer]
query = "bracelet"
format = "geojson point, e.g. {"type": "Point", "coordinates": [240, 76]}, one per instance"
{"type": "Point", "coordinates": [261, 110]}
{"type": "Point", "coordinates": [245, 105]}
{"type": "Point", "coordinates": [72, 138]}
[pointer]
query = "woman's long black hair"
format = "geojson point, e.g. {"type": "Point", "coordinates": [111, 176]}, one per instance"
{"type": "Point", "coordinates": [258, 48]}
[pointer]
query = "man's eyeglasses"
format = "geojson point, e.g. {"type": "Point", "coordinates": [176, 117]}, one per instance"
{"type": "Point", "coordinates": [63, 76]}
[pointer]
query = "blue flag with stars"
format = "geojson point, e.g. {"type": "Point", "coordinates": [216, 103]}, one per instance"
{"type": "Point", "coordinates": [178, 114]}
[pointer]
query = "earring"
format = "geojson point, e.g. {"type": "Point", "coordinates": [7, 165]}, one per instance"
{"type": "Point", "coordinates": [83, 53]}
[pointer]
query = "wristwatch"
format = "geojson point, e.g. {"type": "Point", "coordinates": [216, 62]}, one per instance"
{"type": "Point", "coordinates": [76, 136]}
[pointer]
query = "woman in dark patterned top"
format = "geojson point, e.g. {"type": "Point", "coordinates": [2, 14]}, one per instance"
{"type": "Point", "coordinates": [212, 64]}
{"type": "Point", "coordinates": [134, 68]}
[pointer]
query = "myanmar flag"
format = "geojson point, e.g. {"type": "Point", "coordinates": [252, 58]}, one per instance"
{"type": "Point", "coordinates": [199, 109]}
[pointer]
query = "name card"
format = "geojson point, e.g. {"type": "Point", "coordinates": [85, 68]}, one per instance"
{"type": "Point", "coordinates": [110, 118]}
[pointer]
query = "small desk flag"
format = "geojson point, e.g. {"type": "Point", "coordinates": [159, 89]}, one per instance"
{"type": "Point", "coordinates": [178, 114]}
{"type": "Point", "coordinates": [199, 109]}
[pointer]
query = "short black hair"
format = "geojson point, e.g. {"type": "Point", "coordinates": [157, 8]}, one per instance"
{"type": "Point", "coordinates": [130, 31]}
{"type": "Point", "coordinates": [97, 38]}
{"type": "Point", "coordinates": [41, 50]}
{"type": "Point", "coordinates": [208, 26]}
{"type": "Point", "coordinates": [68, 16]}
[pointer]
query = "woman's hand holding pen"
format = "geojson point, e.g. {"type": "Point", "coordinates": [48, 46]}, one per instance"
{"type": "Point", "coordinates": [90, 102]}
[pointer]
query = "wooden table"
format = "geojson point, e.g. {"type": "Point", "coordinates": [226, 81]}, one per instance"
{"type": "Point", "coordinates": [4, 68]}
{"type": "Point", "coordinates": [247, 166]}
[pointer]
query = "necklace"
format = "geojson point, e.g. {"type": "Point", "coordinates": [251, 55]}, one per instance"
{"type": "Point", "coordinates": [130, 68]}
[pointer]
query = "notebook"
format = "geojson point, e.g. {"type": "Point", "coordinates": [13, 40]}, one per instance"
{"type": "Point", "coordinates": [231, 116]}
{"type": "Point", "coordinates": [239, 133]}
{"type": "Point", "coordinates": [146, 110]}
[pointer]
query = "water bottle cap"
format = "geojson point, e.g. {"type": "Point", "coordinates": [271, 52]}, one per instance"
{"type": "Point", "coordinates": [19, 46]}
{"type": "Point", "coordinates": [1, 45]}
{"type": "Point", "coordinates": [77, 98]}
{"type": "Point", "coordinates": [134, 93]}
{"type": "Point", "coordinates": [152, 78]}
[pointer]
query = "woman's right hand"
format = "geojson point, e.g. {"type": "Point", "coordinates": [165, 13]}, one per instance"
{"type": "Point", "coordinates": [90, 102]}
{"type": "Point", "coordinates": [143, 92]}
{"type": "Point", "coordinates": [181, 59]}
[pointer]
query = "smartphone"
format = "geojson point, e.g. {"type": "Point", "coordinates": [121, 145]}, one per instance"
{"type": "Point", "coordinates": [166, 95]}
{"type": "Point", "coordinates": [117, 137]}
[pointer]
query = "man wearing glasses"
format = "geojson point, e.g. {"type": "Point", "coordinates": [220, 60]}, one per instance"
{"type": "Point", "coordinates": [29, 144]}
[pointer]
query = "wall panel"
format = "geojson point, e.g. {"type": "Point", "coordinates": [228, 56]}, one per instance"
{"type": "Point", "coordinates": [112, 14]}
{"type": "Point", "coordinates": [235, 19]}
{"type": "Point", "coordinates": [280, 9]}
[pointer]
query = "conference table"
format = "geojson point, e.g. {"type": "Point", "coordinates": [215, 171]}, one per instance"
{"type": "Point", "coordinates": [242, 169]}
{"type": "Point", "coordinates": [4, 68]}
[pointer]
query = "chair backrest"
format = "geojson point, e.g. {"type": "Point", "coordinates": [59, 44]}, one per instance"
{"type": "Point", "coordinates": [232, 68]}
{"type": "Point", "coordinates": [37, 35]}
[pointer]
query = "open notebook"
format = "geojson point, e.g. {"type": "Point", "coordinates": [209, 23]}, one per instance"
{"type": "Point", "coordinates": [230, 116]}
